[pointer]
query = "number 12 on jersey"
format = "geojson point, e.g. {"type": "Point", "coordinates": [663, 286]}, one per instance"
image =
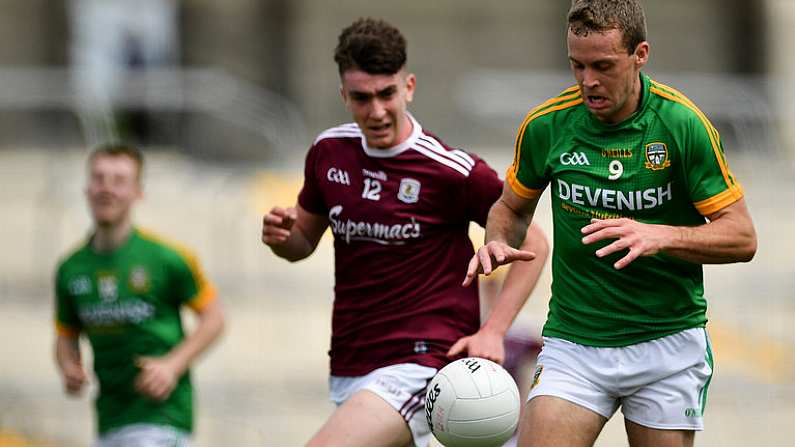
{"type": "Point", "coordinates": [372, 189]}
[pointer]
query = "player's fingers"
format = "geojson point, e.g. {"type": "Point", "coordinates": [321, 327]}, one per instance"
{"type": "Point", "coordinates": [485, 260]}
{"type": "Point", "coordinates": [291, 213]}
{"type": "Point", "coordinates": [272, 220]}
{"type": "Point", "coordinates": [626, 260]}
{"type": "Point", "coordinates": [458, 347]}
{"type": "Point", "coordinates": [615, 246]}
{"type": "Point", "coordinates": [472, 270]}
{"type": "Point", "coordinates": [610, 232]}
{"type": "Point", "coordinates": [288, 221]}
{"type": "Point", "coordinates": [158, 390]}
{"type": "Point", "coordinates": [275, 234]}
{"type": "Point", "coordinates": [521, 255]}
{"type": "Point", "coordinates": [598, 224]}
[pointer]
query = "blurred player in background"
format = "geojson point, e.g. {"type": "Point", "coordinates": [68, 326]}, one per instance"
{"type": "Point", "coordinates": [641, 198]}
{"type": "Point", "coordinates": [399, 203]}
{"type": "Point", "coordinates": [124, 288]}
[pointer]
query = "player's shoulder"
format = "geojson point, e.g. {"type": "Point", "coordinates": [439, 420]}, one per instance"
{"type": "Point", "coordinates": [457, 160]}
{"type": "Point", "coordinates": [341, 132]}
{"type": "Point", "coordinates": [163, 248]}
{"type": "Point", "coordinates": [672, 105]}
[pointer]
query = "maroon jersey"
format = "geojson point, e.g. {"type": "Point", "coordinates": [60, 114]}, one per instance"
{"type": "Point", "coordinates": [400, 219]}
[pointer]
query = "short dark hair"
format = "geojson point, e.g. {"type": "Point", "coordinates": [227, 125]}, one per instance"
{"type": "Point", "coordinates": [371, 45]}
{"type": "Point", "coordinates": [627, 16]}
{"type": "Point", "coordinates": [119, 150]}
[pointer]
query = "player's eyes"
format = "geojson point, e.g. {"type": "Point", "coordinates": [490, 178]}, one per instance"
{"type": "Point", "coordinates": [603, 66]}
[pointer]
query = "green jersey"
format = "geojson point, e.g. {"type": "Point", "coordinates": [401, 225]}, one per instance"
{"type": "Point", "coordinates": [127, 303]}
{"type": "Point", "coordinates": [662, 165]}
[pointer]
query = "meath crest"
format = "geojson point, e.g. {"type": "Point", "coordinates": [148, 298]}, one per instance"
{"type": "Point", "coordinates": [657, 156]}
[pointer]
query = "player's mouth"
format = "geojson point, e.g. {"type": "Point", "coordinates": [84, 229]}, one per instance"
{"type": "Point", "coordinates": [596, 102]}
{"type": "Point", "coordinates": [379, 130]}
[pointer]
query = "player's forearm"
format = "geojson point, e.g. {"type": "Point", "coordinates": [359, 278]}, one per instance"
{"type": "Point", "coordinates": [520, 281]}
{"type": "Point", "coordinates": [718, 242]}
{"type": "Point", "coordinates": [67, 352]}
{"type": "Point", "coordinates": [506, 225]}
{"type": "Point", "coordinates": [297, 247]}
{"type": "Point", "coordinates": [207, 331]}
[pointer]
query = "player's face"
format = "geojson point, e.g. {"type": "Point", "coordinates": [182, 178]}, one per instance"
{"type": "Point", "coordinates": [113, 187]}
{"type": "Point", "coordinates": [607, 74]}
{"type": "Point", "coordinates": [378, 104]}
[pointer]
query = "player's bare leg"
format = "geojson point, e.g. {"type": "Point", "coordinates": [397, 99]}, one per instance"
{"type": "Point", "coordinates": [640, 436]}
{"type": "Point", "coordinates": [553, 422]}
{"type": "Point", "coordinates": [364, 420]}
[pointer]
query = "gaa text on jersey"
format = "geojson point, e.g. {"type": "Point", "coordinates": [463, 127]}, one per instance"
{"type": "Point", "coordinates": [385, 234]}
{"type": "Point", "coordinates": [574, 159]}
{"type": "Point", "coordinates": [339, 176]}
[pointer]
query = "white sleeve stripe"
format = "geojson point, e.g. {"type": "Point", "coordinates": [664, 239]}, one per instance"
{"type": "Point", "coordinates": [433, 155]}
{"type": "Point", "coordinates": [339, 132]}
{"type": "Point", "coordinates": [465, 156]}
{"type": "Point", "coordinates": [454, 155]}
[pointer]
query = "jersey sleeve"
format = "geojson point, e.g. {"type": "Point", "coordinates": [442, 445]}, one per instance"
{"type": "Point", "coordinates": [67, 322]}
{"type": "Point", "coordinates": [711, 184]}
{"type": "Point", "coordinates": [191, 286]}
{"type": "Point", "coordinates": [527, 176]}
{"type": "Point", "coordinates": [483, 188]}
{"type": "Point", "coordinates": [311, 197]}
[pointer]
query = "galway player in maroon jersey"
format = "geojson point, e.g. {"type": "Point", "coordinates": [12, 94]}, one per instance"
{"type": "Point", "coordinates": [399, 203]}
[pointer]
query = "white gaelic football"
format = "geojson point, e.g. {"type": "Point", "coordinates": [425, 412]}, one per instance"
{"type": "Point", "coordinates": [472, 402]}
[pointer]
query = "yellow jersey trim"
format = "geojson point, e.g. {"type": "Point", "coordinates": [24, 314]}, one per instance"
{"type": "Point", "coordinates": [571, 94]}
{"type": "Point", "coordinates": [66, 331]}
{"type": "Point", "coordinates": [719, 201]}
{"type": "Point", "coordinates": [518, 188]}
{"type": "Point", "coordinates": [206, 291]}
{"type": "Point", "coordinates": [713, 137]}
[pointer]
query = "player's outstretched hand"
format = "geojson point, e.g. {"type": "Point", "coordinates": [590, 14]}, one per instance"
{"type": "Point", "coordinates": [484, 344]}
{"type": "Point", "coordinates": [277, 225]}
{"type": "Point", "coordinates": [491, 256]}
{"type": "Point", "coordinates": [157, 378]}
{"type": "Point", "coordinates": [638, 238]}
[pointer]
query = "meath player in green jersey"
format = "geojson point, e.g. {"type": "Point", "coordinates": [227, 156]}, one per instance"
{"type": "Point", "coordinates": [641, 197]}
{"type": "Point", "coordinates": [123, 289]}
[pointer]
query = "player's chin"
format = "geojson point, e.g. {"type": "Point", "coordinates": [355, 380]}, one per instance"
{"type": "Point", "coordinates": [106, 219]}
{"type": "Point", "coordinates": [380, 139]}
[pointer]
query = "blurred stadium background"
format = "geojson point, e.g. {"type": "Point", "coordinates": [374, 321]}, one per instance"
{"type": "Point", "coordinates": [225, 97]}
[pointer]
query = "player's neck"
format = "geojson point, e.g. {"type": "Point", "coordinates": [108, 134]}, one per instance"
{"type": "Point", "coordinates": [635, 98]}
{"type": "Point", "coordinates": [406, 129]}
{"type": "Point", "coordinates": [110, 237]}
{"type": "Point", "coordinates": [631, 106]}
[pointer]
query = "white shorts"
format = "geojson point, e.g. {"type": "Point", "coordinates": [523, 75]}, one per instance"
{"type": "Point", "coordinates": [144, 435]}
{"type": "Point", "coordinates": [402, 386]}
{"type": "Point", "coordinates": [659, 384]}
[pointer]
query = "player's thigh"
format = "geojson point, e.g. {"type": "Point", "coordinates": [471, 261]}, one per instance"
{"type": "Point", "coordinates": [640, 436]}
{"type": "Point", "coordinates": [364, 420]}
{"type": "Point", "coordinates": [549, 421]}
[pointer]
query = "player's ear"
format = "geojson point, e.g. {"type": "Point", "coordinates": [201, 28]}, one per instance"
{"type": "Point", "coordinates": [411, 84]}
{"type": "Point", "coordinates": [343, 95]}
{"type": "Point", "coordinates": [641, 54]}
